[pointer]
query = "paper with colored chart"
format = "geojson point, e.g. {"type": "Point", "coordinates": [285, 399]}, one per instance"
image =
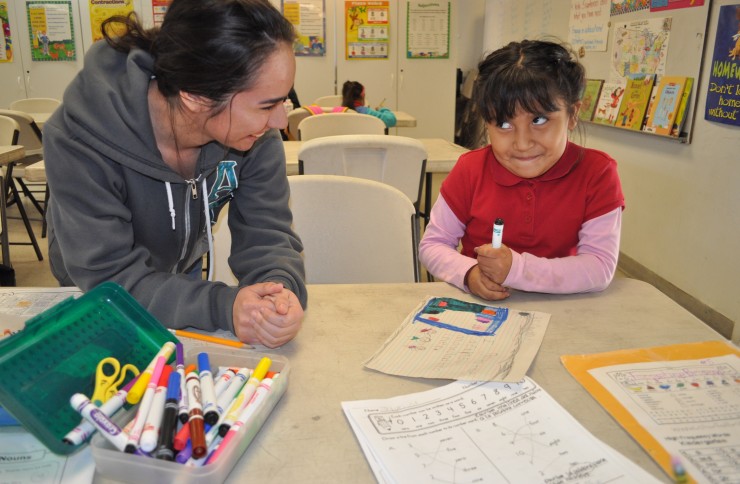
{"type": "Point", "coordinates": [459, 340]}
{"type": "Point", "coordinates": [483, 432]}
{"type": "Point", "coordinates": [680, 402]}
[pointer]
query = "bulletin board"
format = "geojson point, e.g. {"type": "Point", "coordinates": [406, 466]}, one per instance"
{"type": "Point", "coordinates": [545, 19]}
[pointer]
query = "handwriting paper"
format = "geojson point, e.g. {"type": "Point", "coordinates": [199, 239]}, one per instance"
{"type": "Point", "coordinates": [23, 458]}
{"type": "Point", "coordinates": [483, 432]}
{"type": "Point", "coordinates": [459, 340]}
{"type": "Point", "coordinates": [680, 401]}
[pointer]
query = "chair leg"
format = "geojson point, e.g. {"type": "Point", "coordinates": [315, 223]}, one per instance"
{"type": "Point", "coordinates": [26, 222]}
{"type": "Point", "coordinates": [30, 196]}
{"type": "Point", "coordinates": [46, 206]}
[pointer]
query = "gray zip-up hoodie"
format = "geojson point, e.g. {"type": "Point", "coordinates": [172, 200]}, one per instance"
{"type": "Point", "coordinates": [118, 213]}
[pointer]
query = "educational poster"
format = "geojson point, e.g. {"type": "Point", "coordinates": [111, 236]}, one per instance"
{"type": "Point", "coordinates": [101, 10]}
{"type": "Point", "coordinates": [159, 9]}
{"type": "Point", "coordinates": [51, 31]}
{"type": "Point", "coordinates": [658, 5]}
{"type": "Point", "coordinates": [626, 6]}
{"type": "Point", "coordinates": [723, 94]}
{"type": "Point", "coordinates": [428, 30]}
{"type": "Point", "coordinates": [6, 41]}
{"type": "Point", "coordinates": [639, 47]}
{"type": "Point", "coordinates": [308, 19]}
{"type": "Point", "coordinates": [589, 25]}
{"type": "Point", "coordinates": [367, 29]}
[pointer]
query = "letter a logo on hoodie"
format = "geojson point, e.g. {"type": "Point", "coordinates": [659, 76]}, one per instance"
{"type": "Point", "coordinates": [225, 183]}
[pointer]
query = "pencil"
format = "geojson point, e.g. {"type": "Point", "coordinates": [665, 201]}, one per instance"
{"type": "Point", "coordinates": [210, 339]}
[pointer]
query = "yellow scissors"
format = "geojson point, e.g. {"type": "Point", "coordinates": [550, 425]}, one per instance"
{"type": "Point", "coordinates": [106, 384]}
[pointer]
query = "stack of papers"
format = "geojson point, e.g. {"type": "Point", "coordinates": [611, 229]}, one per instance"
{"type": "Point", "coordinates": [483, 432]}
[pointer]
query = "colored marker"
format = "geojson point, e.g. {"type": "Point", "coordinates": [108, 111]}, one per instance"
{"type": "Point", "coordinates": [85, 429]}
{"type": "Point", "coordinates": [169, 420]}
{"type": "Point", "coordinates": [100, 421]}
{"type": "Point", "coordinates": [182, 437]}
{"type": "Point", "coordinates": [184, 454]}
{"type": "Point", "coordinates": [195, 414]}
{"type": "Point", "coordinates": [225, 399]}
{"type": "Point", "coordinates": [183, 403]}
{"type": "Point", "coordinates": [245, 417]}
{"type": "Point", "coordinates": [498, 233]}
{"type": "Point", "coordinates": [144, 406]}
{"type": "Point", "coordinates": [207, 390]}
{"type": "Point", "coordinates": [136, 392]}
{"type": "Point", "coordinates": [223, 380]}
{"type": "Point", "coordinates": [150, 434]}
{"type": "Point", "coordinates": [241, 400]}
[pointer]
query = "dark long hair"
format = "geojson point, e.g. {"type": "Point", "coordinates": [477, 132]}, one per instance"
{"type": "Point", "coordinates": [351, 92]}
{"type": "Point", "coordinates": [532, 75]}
{"type": "Point", "coordinates": [209, 48]}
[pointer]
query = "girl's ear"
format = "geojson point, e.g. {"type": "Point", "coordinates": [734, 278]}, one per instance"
{"type": "Point", "coordinates": [194, 102]}
{"type": "Point", "coordinates": [573, 121]}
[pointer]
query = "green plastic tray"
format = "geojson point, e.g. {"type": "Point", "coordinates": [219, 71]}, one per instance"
{"type": "Point", "coordinates": [57, 353]}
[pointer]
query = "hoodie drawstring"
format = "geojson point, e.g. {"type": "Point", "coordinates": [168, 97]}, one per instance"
{"type": "Point", "coordinates": [207, 210]}
{"type": "Point", "coordinates": [171, 203]}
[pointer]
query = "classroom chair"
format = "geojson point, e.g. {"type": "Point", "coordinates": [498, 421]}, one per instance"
{"type": "Point", "coordinates": [353, 231]}
{"type": "Point", "coordinates": [333, 124]}
{"type": "Point", "coordinates": [35, 105]}
{"type": "Point", "coordinates": [31, 139]}
{"type": "Point", "coordinates": [395, 160]}
{"type": "Point", "coordinates": [294, 119]}
{"type": "Point", "coordinates": [330, 101]}
{"type": "Point", "coordinates": [10, 132]}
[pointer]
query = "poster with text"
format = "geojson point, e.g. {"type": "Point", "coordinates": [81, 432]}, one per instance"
{"type": "Point", "coordinates": [101, 10]}
{"type": "Point", "coordinates": [723, 92]}
{"type": "Point", "coordinates": [639, 47]}
{"type": "Point", "coordinates": [428, 30]}
{"type": "Point", "coordinates": [159, 9]}
{"type": "Point", "coordinates": [367, 29]}
{"type": "Point", "coordinates": [308, 19]}
{"type": "Point", "coordinates": [6, 42]}
{"type": "Point", "coordinates": [589, 24]}
{"type": "Point", "coordinates": [51, 31]}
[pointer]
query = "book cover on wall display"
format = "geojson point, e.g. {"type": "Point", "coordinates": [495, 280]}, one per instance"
{"type": "Point", "coordinates": [610, 98]}
{"type": "Point", "coordinates": [634, 101]}
{"type": "Point", "coordinates": [680, 120]}
{"type": "Point", "coordinates": [663, 111]}
{"type": "Point", "coordinates": [590, 99]}
{"type": "Point", "coordinates": [723, 90]}
{"type": "Point", "coordinates": [653, 94]}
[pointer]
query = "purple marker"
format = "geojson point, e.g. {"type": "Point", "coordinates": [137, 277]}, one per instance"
{"type": "Point", "coordinates": [82, 432]}
{"type": "Point", "coordinates": [100, 421]}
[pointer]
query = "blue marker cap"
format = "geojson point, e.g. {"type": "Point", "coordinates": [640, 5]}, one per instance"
{"type": "Point", "coordinates": [173, 387]}
{"type": "Point", "coordinates": [203, 363]}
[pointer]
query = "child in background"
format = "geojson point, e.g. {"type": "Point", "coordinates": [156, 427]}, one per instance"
{"type": "Point", "coordinates": [353, 97]}
{"type": "Point", "coordinates": [561, 203]}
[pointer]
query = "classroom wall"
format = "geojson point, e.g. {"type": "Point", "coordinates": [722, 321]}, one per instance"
{"type": "Point", "coordinates": [682, 220]}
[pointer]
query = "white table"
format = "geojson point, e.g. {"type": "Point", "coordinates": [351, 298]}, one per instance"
{"type": "Point", "coordinates": [307, 438]}
{"type": "Point", "coordinates": [403, 119]}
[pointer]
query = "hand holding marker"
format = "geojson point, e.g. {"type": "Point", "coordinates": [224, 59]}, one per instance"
{"type": "Point", "coordinates": [498, 233]}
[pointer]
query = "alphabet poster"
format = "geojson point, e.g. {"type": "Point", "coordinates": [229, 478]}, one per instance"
{"type": "Point", "coordinates": [723, 95]}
